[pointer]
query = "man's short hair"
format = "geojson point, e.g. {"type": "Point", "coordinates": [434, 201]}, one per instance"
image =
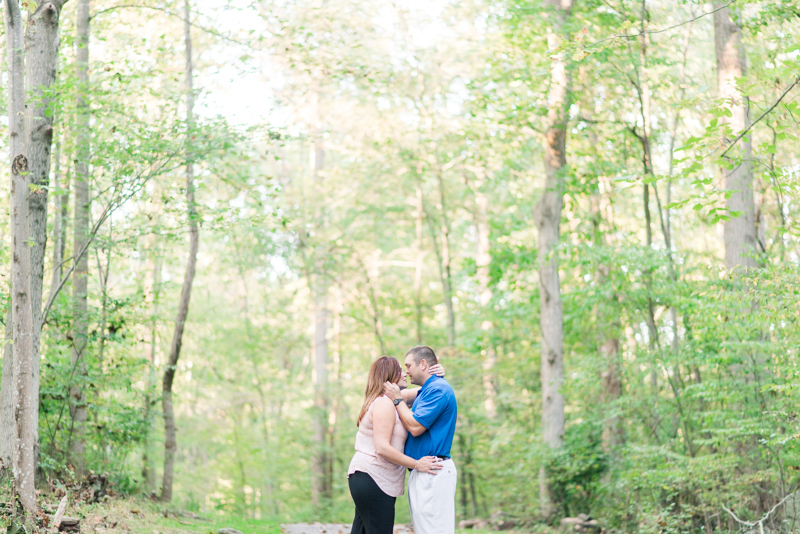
{"type": "Point", "coordinates": [423, 353]}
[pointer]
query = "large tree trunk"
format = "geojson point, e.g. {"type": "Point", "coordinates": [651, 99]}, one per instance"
{"type": "Point", "coordinates": [547, 215]}
{"type": "Point", "coordinates": [23, 396]}
{"type": "Point", "coordinates": [41, 52]}
{"type": "Point", "coordinates": [739, 233]}
{"type": "Point", "coordinates": [170, 442]}
{"type": "Point", "coordinates": [80, 236]}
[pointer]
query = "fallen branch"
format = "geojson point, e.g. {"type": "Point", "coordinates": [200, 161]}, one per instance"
{"type": "Point", "coordinates": [62, 507]}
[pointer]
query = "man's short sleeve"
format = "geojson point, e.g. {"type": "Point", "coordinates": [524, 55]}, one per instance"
{"type": "Point", "coordinates": [430, 407]}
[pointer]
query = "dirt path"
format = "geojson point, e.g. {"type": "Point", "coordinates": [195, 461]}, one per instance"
{"type": "Point", "coordinates": [332, 528]}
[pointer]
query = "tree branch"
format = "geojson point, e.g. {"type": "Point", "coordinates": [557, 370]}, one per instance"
{"type": "Point", "coordinates": [170, 13]}
{"type": "Point", "coordinates": [112, 206]}
{"type": "Point", "coordinates": [773, 106]}
{"type": "Point", "coordinates": [662, 30]}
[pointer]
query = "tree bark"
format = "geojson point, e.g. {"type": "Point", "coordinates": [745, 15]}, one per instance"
{"type": "Point", "coordinates": [739, 233]}
{"type": "Point", "coordinates": [148, 456]}
{"type": "Point", "coordinates": [447, 278]}
{"type": "Point", "coordinates": [443, 262]}
{"type": "Point", "coordinates": [170, 441]}
{"type": "Point", "coordinates": [418, 267]}
{"type": "Point", "coordinates": [41, 53]}
{"type": "Point", "coordinates": [23, 396]}
{"type": "Point", "coordinates": [7, 424]}
{"type": "Point", "coordinates": [483, 257]}
{"type": "Point", "coordinates": [59, 223]}
{"type": "Point", "coordinates": [80, 236]}
{"type": "Point", "coordinates": [320, 489]}
{"type": "Point", "coordinates": [547, 215]}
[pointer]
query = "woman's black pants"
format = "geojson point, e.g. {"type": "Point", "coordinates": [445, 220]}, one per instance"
{"type": "Point", "coordinates": [374, 509]}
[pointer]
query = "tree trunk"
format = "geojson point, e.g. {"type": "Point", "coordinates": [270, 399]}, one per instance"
{"type": "Point", "coordinates": [7, 424]}
{"type": "Point", "coordinates": [447, 278]}
{"type": "Point", "coordinates": [547, 215]}
{"type": "Point", "coordinates": [443, 263]}
{"type": "Point", "coordinates": [23, 396]}
{"type": "Point", "coordinates": [418, 268]}
{"type": "Point", "coordinates": [80, 236]}
{"type": "Point", "coordinates": [320, 490]}
{"type": "Point", "coordinates": [148, 456]}
{"type": "Point", "coordinates": [41, 52]}
{"type": "Point", "coordinates": [59, 222]}
{"type": "Point", "coordinates": [483, 258]}
{"type": "Point", "coordinates": [170, 442]}
{"type": "Point", "coordinates": [739, 233]}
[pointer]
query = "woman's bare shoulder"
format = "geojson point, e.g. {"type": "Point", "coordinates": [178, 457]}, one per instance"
{"type": "Point", "coordinates": [383, 406]}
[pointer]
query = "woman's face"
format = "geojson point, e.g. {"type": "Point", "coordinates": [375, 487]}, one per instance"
{"type": "Point", "coordinates": [402, 380]}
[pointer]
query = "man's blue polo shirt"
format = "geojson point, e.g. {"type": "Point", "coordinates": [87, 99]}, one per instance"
{"type": "Point", "coordinates": [436, 409]}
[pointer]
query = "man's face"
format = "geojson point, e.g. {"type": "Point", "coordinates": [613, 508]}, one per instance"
{"type": "Point", "coordinates": [417, 372]}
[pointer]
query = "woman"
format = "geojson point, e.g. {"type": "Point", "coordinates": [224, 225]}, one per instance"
{"type": "Point", "coordinates": [378, 470]}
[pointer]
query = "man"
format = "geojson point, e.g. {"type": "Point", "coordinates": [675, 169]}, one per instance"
{"type": "Point", "coordinates": [431, 424]}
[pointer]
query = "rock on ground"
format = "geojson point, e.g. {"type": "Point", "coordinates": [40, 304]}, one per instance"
{"type": "Point", "coordinates": [332, 528]}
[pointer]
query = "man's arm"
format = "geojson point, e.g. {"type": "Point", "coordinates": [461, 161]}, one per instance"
{"type": "Point", "coordinates": [409, 395]}
{"type": "Point", "coordinates": [406, 415]}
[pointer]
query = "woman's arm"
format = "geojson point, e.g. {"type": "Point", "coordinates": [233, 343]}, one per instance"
{"type": "Point", "coordinates": [383, 417]}
{"type": "Point", "coordinates": [409, 395]}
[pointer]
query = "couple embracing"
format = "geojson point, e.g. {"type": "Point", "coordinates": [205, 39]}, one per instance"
{"type": "Point", "coordinates": [393, 437]}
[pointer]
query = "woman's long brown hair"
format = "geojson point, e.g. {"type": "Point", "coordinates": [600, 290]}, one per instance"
{"type": "Point", "coordinates": [384, 369]}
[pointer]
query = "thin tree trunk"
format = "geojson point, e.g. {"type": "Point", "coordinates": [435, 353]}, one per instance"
{"type": "Point", "coordinates": [320, 490]}
{"type": "Point", "coordinates": [608, 347]}
{"type": "Point", "coordinates": [547, 215]}
{"type": "Point", "coordinates": [418, 268]}
{"type": "Point", "coordinates": [7, 424]}
{"type": "Point", "coordinates": [442, 259]}
{"type": "Point", "coordinates": [103, 275]}
{"type": "Point", "coordinates": [483, 258]}
{"type": "Point", "coordinates": [373, 304]}
{"type": "Point", "coordinates": [643, 93]}
{"type": "Point", "coordinates": [148, 456]}
{"type": "Point", "coordinates": [170, 441]}
{"type": "Point", "coordinates": [58, 221]}
{"type": "Point", "coordinates": [739, 233]}
{"type": "Point", "coordinates": [23, 396]}
{"type": "Point", "coordinates": [447, 278]}
{"type": "Point", "coordinates": [257, 377]}
{"type": "Point", "coordinates": [607, 314]}
{"type": "Point", "coordinates": [80, 236]}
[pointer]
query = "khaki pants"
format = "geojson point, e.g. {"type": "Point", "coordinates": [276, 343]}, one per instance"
{"type": "Point", "coordinates": [432, 499]}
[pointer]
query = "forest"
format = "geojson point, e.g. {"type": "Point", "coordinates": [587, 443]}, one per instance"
{"type": "Point", "coordinates": [218, 214]}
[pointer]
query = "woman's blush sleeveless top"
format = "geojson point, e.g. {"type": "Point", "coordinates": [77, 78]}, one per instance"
{"type": "Point", "coordinates": [389, 477]}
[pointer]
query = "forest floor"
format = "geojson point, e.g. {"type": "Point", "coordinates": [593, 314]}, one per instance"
{"type": "Point", "coordinates": [143, 516]}
{"type": "Point", "coordinates": [140, 516]}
